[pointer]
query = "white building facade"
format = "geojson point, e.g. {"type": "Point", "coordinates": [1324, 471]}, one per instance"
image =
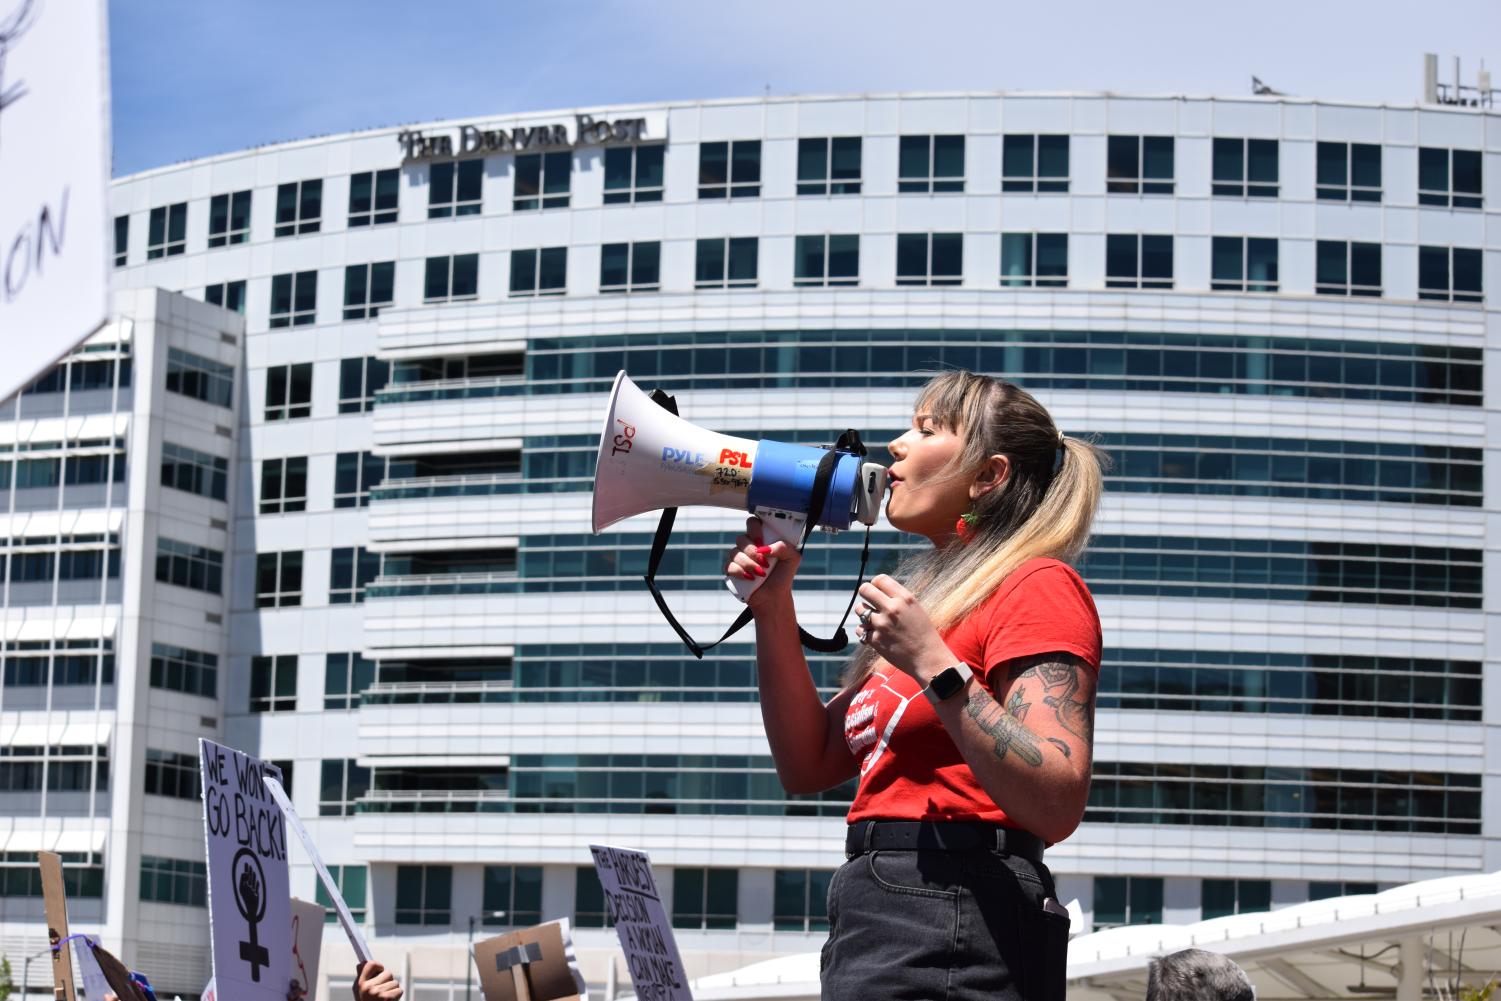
{"type": "Point", "coordinates": [1271, 311]}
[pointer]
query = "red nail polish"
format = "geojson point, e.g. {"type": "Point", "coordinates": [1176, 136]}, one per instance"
{"type": "Point", "coordinates": [760, 571]}
{"type": "Point", "coordinates": [763, 550]}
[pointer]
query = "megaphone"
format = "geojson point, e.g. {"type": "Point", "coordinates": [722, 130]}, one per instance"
{"type": "Point", "coordinates": [650, 459]}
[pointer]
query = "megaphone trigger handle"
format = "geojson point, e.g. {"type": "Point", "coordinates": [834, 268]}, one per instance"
{"type": "Point", "coordinates": [776, 526]}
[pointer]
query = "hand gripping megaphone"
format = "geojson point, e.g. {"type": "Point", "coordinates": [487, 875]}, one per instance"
{"type": "Point", "coordinates": [651, 459]}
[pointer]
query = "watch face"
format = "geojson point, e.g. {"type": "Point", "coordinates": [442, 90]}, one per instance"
{"type": "Point", "coordinates": [947, 682]}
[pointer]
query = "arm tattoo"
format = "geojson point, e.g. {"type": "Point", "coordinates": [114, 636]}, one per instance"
{"type": "Point", "coordinates": [1059, 675]}
{"type": "Point", "coordinates": [1003, 727]}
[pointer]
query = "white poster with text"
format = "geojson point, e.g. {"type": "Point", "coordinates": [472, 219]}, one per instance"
{"type": "Point", "coordinates": [250, 903]}
{"type": "Point", "coordinates": [54, 172]}
{"type": "Point", "coordinates": [635, 908]}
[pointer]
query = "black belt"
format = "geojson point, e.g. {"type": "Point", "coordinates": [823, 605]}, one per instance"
{"type": "Point", "coordinates": [939, 836]}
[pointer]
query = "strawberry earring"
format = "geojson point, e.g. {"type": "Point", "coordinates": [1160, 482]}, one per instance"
{"type": "Point", "coordinates": [965, 526]}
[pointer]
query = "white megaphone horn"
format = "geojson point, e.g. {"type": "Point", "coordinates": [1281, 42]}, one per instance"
{"type": "Point", "coordinates": [650, 459]}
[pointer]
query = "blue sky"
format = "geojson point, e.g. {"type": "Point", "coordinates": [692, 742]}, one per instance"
{"type": "Point", "coordinates": [197, 77]}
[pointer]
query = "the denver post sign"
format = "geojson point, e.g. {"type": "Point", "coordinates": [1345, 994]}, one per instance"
{"type": "Point", "coordinates": [582, 130]}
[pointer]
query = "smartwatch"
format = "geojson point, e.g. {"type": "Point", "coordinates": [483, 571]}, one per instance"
{"type": "Point", "coordinates": [948, 683]}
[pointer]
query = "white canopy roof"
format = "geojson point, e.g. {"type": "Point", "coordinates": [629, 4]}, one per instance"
{"type": "Point", "coordinates": [1343, 947]}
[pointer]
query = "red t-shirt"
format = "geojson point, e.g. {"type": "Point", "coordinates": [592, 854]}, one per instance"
{"type": "Point", "coordinates": [910, 768]}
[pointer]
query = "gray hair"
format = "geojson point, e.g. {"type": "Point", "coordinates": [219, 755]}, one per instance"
{"type": "Point", "coordinates": [1197, 975]}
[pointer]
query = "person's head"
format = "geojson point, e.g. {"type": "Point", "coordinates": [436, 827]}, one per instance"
{"type": "Point", "coordinates": [1197, 975]}
{"type": "Point", "coordinates": [983, 448]}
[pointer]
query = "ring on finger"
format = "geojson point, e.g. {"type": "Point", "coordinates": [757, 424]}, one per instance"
{"type": "Point", "coordinates": [864, 616]}
{"type": "Point", "coordinates": [861, 636]}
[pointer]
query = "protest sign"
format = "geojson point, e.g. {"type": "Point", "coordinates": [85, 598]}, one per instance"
{"type": "Point", "coordinates": [533, 964]}
{"type": "Point", "coordinates": [209, 992]}
{"type": "Point", "coordinates": [94, 984]}
{"type": "Point", "coordinates": [250, 908]}
{"type": "Point", "coordinates": [346, 919]}
{"type": "Point", "coordinates": [54, 171]}
{"type": "Point", "coordinates": [307, 943]}
{"type": "Point", "coordinates": [116, 975]}
{"type": "Point", "coordinates": [635, 908]}
{"type": "Point", "coordinates": [55, 906]}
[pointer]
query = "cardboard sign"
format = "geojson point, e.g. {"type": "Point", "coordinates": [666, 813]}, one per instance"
{"type": "Point", "coordinates": [346, 919]}
{"type": "Point", "coordinates": [55, 905]}
{"type": "Point", "coordinates": [249, 906]}
{"type": "Point", "coordinates": [533, 964]}
{"type": "Point", "coordinates": [307, 943]}
{"type": "Point", "coordinates": [54, 171]}
{"type": "Point", "coordinates": [645, 933]}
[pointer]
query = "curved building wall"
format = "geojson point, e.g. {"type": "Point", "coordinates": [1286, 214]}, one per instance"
{"type": "Point", "coordinates": [1271, 311]}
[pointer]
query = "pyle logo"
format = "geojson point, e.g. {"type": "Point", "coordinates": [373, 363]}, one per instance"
{"type": "Point", "coordinates": [682, 456]}
{"type": "Point", "coordinates": [623, 440]}
{"type": "Point", "coordinates": [730, 457]}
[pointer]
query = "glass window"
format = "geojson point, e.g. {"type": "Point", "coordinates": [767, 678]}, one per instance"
{"type": "Point", "coordinates": [229, 219]}
{"type": "Point", "coordinates": [194, 471]}
{"type": "Point", "coordinates": [1034, 163]}
{"type": "Point", "coordinates": [373, 197]}
{"type": "Point", "coordinates": [368, 288]}
{"type": "Point", "coordinates": [174, 881]}
{"type": "Point", "coordinates": [229, 295]}
{"type": "Point", "coordinates": [800, 899]}
{"type": "Point", "coordinates": [630, 267]}
{"type": "Point", "coordinates": [542, 181]}
{"type": "Point", "coordinates": [169, 773]}
{"type": "Point", "coordinates": [1347, 268]}
{"type": "Point", "coordinates": [294, 299]}
{"type": "Point", "coordinates": [351, 881]}
{"type": "Point", "coordinates": [278, 579]}
{"type": "Point", "coordinates": [1449, 274]}
{"type": "Point", "coordinates": [289, 391]}
{"type": "Point", "coordinates": [342, 784]}
{"type": "Point", "coordinates": [1127, 900]}
{"type": "Point", "coordinates": [827, 260]}
{"type": "Point", "coordinates": [539, 272]}
{"type": "Point", "coordinates": [929, 258]}
{"type": "Point", "coordinates": [1449, 178]}
{"type": "Point", "coordinates": [451, 279]}
{"type": "Point", "coordinates": [1325, 890]}
{"type": "Point", "coordinates": [1349, 172]}
{"type": "Point", "coordinates": [355, 475]}
{"type": "Point", "coordinates": [190, 566]}
{"type": "Point", "coordinates": [1138, 261]}
{"type": "Point", "coordinates": [1243, 264]}
{"type": "Point", "coordinates": [633, 174]}
{"type": "Point", "coordinates": [359, 380]}
{"type": "Point", "coordinates": [512, 896]}
{"type": "Point", "coordinates": [284, 485]}
{"type": "Point", "coordinates": [350, 572]}
{"type": "Point", "coordinates": [729, 169]}
{"type": "Point", "coordinates": [930, 164]}
{"type": "Point", "coordinates": [455, 189]}
{"type": "Point", "coordinates": [424, 894]}
{"type": "Point", "coordinates": [273, 684]}
{"type": "Point", "coordinates": [122, 240]}
{"type": "Point", "coordinates": [167, 231]}
{"type": "Point", "coordinates": [1245, 168]}
{"type": "Point", "coordinates": [299, 207]}
{"type": "Point", "coordinates": [1224, 897]}
{"type": "Point", "coordinates": [1139, 165]}
{"type": "Point", "coordinates": [728, 262]}
{"type": "Point", "coordinates": [345, 676]}
{"type": "Point", "coordinates": [179, 669]}
{"type": "Point", "coordinates": [705, 898]}
{"type": "Point", "coordinates": [829, 166]}
{"type": "Point", "coordinates": [1039, 259]}
{"type": "Point", "coordinates": [589, 907]}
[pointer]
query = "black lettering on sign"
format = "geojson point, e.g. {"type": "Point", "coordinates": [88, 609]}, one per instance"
{"type": "Point", "coordinates": [26, 254]}
{"type": "Point", "coordinates": [11, 30]}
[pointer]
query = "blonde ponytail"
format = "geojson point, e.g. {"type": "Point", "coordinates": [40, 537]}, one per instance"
{"type": "Point", "coordinates": [1045, 508]}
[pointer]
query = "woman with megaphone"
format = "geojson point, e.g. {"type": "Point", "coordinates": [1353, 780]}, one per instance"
{"type": "Point", "coordinates": [968, 712]}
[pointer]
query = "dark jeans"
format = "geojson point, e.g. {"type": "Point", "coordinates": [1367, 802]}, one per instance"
{"type": "Point", "coordinates": [943, 926]}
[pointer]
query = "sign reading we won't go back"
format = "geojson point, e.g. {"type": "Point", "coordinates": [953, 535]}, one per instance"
{"type": "Point", "coordinates": [250, 902]}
